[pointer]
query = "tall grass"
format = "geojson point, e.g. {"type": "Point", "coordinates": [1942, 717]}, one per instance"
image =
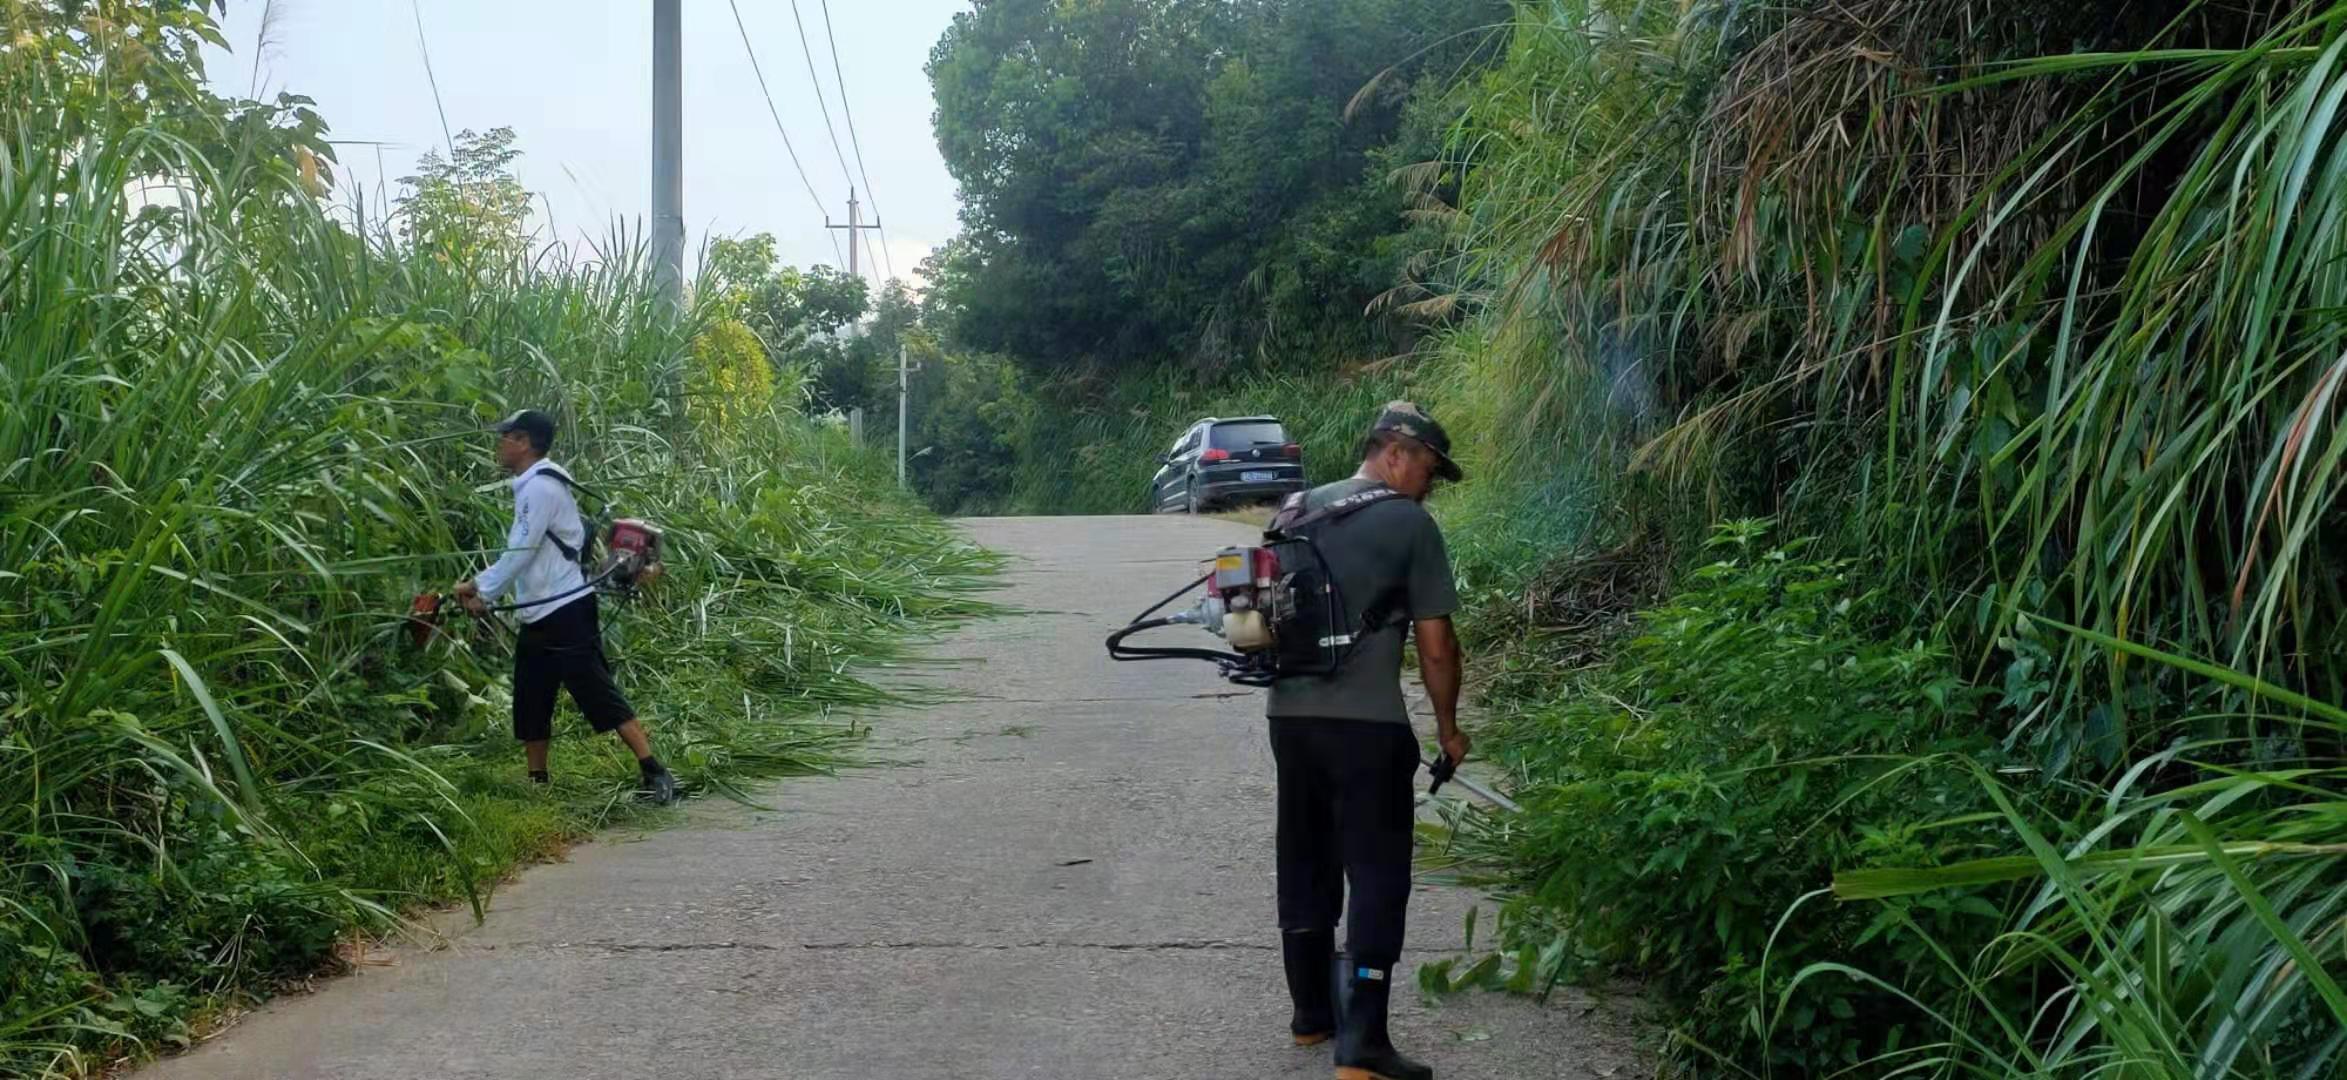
{"type": "Point", "coordinates": [2194, 929]}
{"type": "Point", "coordinates": [2195, 918]}
{"type": "Point", "coordinates": [2045, 344]}
{"type": "Point", "coordinates": [1895, 295]}
{"type": "Point", "coordinates": [236, 436]}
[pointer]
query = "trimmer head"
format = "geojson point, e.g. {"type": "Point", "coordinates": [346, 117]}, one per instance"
{"type": "Point", "coordinates": [423, 618]}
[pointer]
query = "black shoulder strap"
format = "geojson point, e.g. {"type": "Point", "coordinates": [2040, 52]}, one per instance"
{"type": "Point", "coordinates": [576, 487]}
{"type": "Point", "coordinates": [569, 552]}
{"type": "Point", "coordinates": [1292, 515]}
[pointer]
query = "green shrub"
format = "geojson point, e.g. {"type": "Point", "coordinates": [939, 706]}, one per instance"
{"type": "Point", "coordinates": [1763, 728]}
{"type": "Point", "coordinates": [732, 381]}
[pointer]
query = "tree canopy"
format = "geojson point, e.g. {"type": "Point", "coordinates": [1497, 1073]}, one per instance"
{"type": "Point", "coordinates": [800, 315]}
{"type": "Point", "coordinates": [1155, 180]}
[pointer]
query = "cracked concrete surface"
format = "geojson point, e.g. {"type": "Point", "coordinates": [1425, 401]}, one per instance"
{"type": "Point", "coordinates": [1071, 878]}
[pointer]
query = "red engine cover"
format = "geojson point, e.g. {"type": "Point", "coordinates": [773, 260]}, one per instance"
{"type": "Point", "coordinates": [634, 536]}
{"type": "Point", "coordinates": [1266, 566]}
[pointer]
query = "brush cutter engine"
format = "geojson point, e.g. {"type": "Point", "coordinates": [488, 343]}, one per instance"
{"type": "Point", "coordinates": [1276, 603]}
{"type": "Point", "coordinates": [1278, 606]}
{"type": "Point", "coordinates": [633, 561]}
{"type": "Point", "coordinates": [1275, 607]}
{"type": "Point", "coordinates": [1244, 595]}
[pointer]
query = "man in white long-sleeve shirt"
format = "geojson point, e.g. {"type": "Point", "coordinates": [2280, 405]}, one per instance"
{"type": "Point", "coordinates": [561, 642]}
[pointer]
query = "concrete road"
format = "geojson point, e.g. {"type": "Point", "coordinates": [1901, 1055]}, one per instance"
{"type": "Point", "coordinates": [1069, 875]}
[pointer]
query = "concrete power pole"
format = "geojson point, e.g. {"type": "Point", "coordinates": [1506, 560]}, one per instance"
{"type": "Point", "coordinates": [855, 225]}
{"type": "Point", "coordinates": [668, 151]}
{"type": "Point", "coordinates": [904, 391]}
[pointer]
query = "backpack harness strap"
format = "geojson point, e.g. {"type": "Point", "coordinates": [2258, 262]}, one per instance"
{"type": "Point", "coordinates": [568, 552]}
{"type": "Point", "coordinates": [1292, 515]}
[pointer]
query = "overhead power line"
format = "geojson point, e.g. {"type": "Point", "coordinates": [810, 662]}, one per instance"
{"type": "Point", "coordinates": [777, 115]}
{"type": "Point", "coordinates": [877, 218]}
{"type": "Point", "coordinates": [815, 80]}
{"type": "Point", "coordinates": [425, 47]}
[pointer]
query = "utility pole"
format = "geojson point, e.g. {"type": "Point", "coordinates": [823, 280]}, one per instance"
{"type": "Point", "coordinates": [668, 151]}
{"type": "Point", "coordinates": [904, 390]}
{"type": "Point", "coordinates": [855, 225]}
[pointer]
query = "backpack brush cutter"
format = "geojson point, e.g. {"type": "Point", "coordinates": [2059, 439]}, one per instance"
{"type": "Point", "coordinates": [1277, 605]}
{"type": "Point", "coordinates": [631, 564]}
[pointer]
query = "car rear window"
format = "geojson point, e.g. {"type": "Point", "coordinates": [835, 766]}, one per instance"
{"type": "Point", "coordinates": [1248, 433]}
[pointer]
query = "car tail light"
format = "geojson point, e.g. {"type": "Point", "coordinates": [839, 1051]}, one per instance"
{"type": "Point", "coordinates": [1293, 452]}
{"type": "Point", "coordinates": [1212, 456]}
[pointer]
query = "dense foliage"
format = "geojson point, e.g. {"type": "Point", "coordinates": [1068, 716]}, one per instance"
{"type": "Point", "coordinates": [239, 432]}
{"type": "Point", "coordinates": [797, 315]}
{"type": "Point", "coordinates": [1148, 181]}
{"type": "Point", "coordinates": [1679, 797]}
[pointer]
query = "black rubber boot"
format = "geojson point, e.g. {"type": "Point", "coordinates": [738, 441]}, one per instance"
{"type": "Point", "coordinates": [1364, 1049]}
{"type": "Point", "coordinates": [1308, 954]}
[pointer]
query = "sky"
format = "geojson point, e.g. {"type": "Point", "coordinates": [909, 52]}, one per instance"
{"type": "Point", "coordinates": [573, 79]}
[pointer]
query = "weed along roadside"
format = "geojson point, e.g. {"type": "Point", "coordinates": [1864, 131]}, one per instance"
{"type": "Point", "coordinates": [239, 436]}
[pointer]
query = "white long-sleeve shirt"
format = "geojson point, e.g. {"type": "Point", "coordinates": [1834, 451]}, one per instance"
{"type": "Point", "coordinates": [542, 578]}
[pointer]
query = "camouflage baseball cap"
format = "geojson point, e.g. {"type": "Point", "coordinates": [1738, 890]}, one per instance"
{"type": "Point", "coordinates": [1406, 418]}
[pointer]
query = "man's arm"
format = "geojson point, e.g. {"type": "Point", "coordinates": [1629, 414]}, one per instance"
{"type": "Point", "coordinates": [1433, 597]}
{"type": "Point", "coordinates": [531, 517]}
{"type": "Point", "coordinates": [1440, 667]}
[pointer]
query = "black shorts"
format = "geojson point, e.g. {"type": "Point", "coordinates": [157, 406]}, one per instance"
{"type": "Point", "coordinates": [564, 649]}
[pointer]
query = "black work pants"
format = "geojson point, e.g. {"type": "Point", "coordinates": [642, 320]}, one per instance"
{"type": "Point", "coordinates": [564, 649]}
{"type": "Point", "coordinates": [1345, 815]}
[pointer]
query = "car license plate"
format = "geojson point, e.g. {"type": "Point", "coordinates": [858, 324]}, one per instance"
{"type": "Point", "coordinates": [1255, 477]}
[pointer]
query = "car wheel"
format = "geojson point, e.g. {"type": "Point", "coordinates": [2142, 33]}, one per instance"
{"type": "Point", "coordinates": [1197, 505]}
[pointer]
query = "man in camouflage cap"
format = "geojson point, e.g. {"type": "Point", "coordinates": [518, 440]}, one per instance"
{"type": "Point", "coordinates": [1346, 754]}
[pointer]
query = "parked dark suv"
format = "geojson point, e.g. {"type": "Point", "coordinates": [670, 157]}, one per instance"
{"type": "Point", "coordinates": [1221, 462]}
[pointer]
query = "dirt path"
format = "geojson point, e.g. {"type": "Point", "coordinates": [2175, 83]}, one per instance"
{"type": "Point", "coordinates": [1071, 878]}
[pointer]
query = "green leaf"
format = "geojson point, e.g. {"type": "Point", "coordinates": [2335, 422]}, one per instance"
{"type": "Point", "coordinates": [248, 790]}
{"type": "Point", "coordinates": [2310, 967]}
{"type": "Point", "coordinates": [1877, 884]}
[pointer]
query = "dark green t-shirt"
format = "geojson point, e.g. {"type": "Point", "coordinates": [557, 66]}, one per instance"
{"type": "Point", "coordinates": [1390, 552]}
